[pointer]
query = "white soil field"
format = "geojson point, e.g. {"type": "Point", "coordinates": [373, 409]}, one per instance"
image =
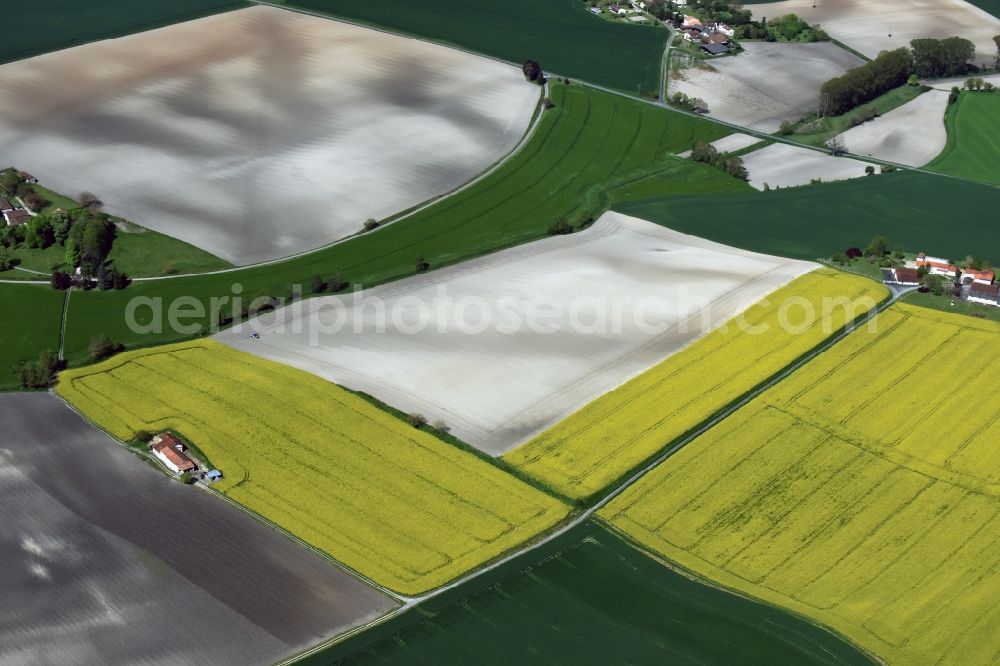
{"type": "Point", "coordinates": [505, 346]}
{"type": "Point", "coordinates": [767, 83]}
{"type": "Point", "coordinates": [729, 144]}
{"type": "Point", "coordinates": [912, 134]}
{"type": "Point", "coordinates": [260, 133]}
{"type": "Point", "coordinates": [781, 165]}
{"type": "Point", "coordinates": [871, 27]}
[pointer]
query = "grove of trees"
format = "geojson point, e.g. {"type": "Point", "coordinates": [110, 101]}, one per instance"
{"type": "Point", "coordinates": [863, 84]}
{"type": "Point", "coordinates": [891, 69]}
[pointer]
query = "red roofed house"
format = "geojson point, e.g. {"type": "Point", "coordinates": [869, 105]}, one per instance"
{"type": "Point", "coordinates": [16, 217]}
{"type": "Point", "coordinates": [170, 451]}
{"type": "Point", "coordinates": [984, 293]}
{"type": "Point", "coordinates": [27, 177]}
{"type": "Point", "coordinates": [985, 277]}
{"type": "Point", "coordinates": [936, 266]}
{"type": "Point", "coordinates": [906, 276]}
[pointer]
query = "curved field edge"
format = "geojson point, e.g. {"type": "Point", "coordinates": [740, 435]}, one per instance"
{"type": "Point", "coordinates": [818, 220]}
{"type": "Point", "coordinates": [623, 430]}
{"type": "Point", "coordinates": [554, 175]}
{"type": "Point", "coordinates": [559, 34]}
{"type": "Point", "coordinates": [973, 148]}
{"type": "Point", "coordinates": [588, 582]}
{"type": "Point", "coordinates": [390, 502]}
{"type": "Point", "coordinates": [835, 505]}
{"type": "Point", "coordinates": [52, 25]}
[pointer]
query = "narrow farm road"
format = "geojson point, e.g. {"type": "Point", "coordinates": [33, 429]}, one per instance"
{"type": "Point", "coordinates": [62, 322]}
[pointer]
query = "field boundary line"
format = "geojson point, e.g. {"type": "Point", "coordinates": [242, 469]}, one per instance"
{"type": "Point", "coordinates": [403, 600]}
{"type": "Point", "coordinates": [62, 323]}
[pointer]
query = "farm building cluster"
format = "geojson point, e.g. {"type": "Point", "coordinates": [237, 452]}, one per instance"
{"type": "Point", "coordinates": [977, 285]}
{"type": "Point", "coordinates": [715, 38]}
{"type": "Point", "coordinates": [16, 216]}
{"type": "Point", "coordinates": [173, 454]}
{"type": "Point", "coordinates": [634, 10]}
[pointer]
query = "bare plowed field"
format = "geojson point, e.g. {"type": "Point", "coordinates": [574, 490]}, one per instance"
{"type": "Point", "coordinates": [766, 84]}
{"type": "Point", "coordinates": [106, 561]}
{"type": "Point", "coordinates": [871, 27]}
{"type": "Point", "coordinates": [782, 165]}
{"type": "Point", "coordinates": [502, 347]}
{"type": "Point", "coordinates": [912, 134]}
{"type": "Point", "coordinates": [262, 132]}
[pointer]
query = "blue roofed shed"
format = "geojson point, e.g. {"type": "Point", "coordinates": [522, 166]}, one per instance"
{"type": "Point", "coordinates": [214, 475]}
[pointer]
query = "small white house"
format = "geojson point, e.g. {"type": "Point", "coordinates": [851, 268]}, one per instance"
{"type": "Point", "coordinates": [595, 10]}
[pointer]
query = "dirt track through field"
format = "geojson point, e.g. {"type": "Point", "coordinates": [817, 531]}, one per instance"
{"type": "Point", "coordinates": [260, 133]}
{"type": "Point", "coordinates": [106, 561]}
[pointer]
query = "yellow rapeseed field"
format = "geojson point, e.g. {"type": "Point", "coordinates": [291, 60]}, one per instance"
{"type": "Point", "coordinates": [603, 441]}
{"type": "Point", "coordinates": [396, 504]}
{"type": "Point", "coordinates": [863, 491]}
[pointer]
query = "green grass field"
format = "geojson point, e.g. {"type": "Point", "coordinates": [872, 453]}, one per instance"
{"type": "Point", "coordinates": [144, 252]}
{"type": "Point", "coordinates": [594, 599]}
{"type": "Point", "coordinates": [31, 318]}
{"type": "Point", "coordinates": [48, 25]}
{"type": "Point", "coordinates": [560, 34]}
{"type": "Point", "coordinates": [913, 210]}
{"type": "Point", "coordinates": [592, 150]}
{"type": "Point", "coordinates": [973, 148]}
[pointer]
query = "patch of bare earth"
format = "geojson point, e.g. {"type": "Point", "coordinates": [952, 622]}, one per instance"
{"type": "Point", "coordinates": [505, 346]}
{"type": "Point", "coordinates": [767, 83]}
{"type": "Point", "coordinates": [260, 133]}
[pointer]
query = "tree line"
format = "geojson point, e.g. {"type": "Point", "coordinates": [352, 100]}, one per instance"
{"type": "Point", "coordinates": [891, 69]}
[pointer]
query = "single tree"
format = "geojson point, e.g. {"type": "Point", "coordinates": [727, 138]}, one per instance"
{"type": "Point", "coordinates": [533, 71]}
{"type": "Point", "coordinates": [836, 145]}
{"type": "Point", "coordinates": [90, 201]}
{"type": "Point", "coordinates": [416, 420]}
{"type": "Point", "coordinates": [316, 284]}
{"type": "Point", "coordinates": [371, 223]}
{"type": "Point", "coordinates": [421, 263]}
{"type": "Point", "coordinates": [61, 281]}
{"type": "Point", "coordinates": [101, 346]}
{"type": "Point", "coordinates": [869, 170]}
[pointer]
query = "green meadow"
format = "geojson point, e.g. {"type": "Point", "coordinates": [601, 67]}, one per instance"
{"type": "Point", "coordinates": [590, 598]}
{"type": "Point", "coordinates": [914, 210]}
{"type": "Point", "coordinates": [31, 320]}
{"type": "Point", "coordinates": [560, 34]}
{"type": "Point", "coordinates": [973, 148]}
{"type": "Point", "coordinates": [48, 25]}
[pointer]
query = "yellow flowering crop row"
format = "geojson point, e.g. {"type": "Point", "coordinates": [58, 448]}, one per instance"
{"type": "Point", "coordinates": [861, 491]}
{"type": "Point", "coordinates": [603, 441]}
{"type": "Point", "coordinates": [394, 503]}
